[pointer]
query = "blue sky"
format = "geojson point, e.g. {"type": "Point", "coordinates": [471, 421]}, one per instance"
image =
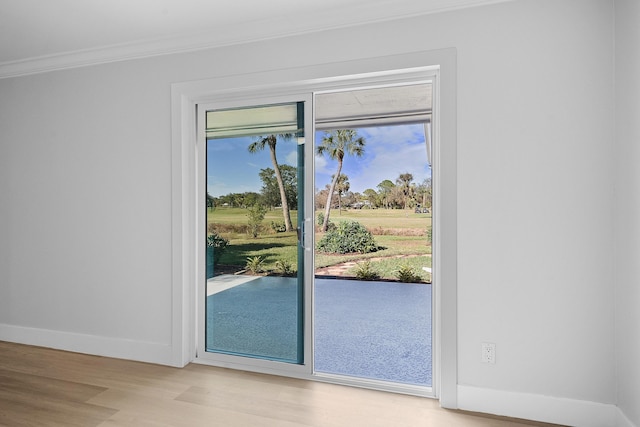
{"type": "Point", "coordinates": [389, 151]}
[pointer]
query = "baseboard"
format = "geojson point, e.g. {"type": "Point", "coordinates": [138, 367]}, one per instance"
{"type": "Point", "coordinates": [535, 407]}
{"type": "Point", "coordinates": [88, 344]}
{"type": "Point", "coordinates": [622, 420]}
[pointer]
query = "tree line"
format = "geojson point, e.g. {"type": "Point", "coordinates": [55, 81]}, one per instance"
{"type": "Point", "coordinates": [279, 184]}
{"type": "Point", "coordinates": [403, 193]}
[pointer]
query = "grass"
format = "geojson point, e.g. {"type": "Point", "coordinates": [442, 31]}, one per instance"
{"type": "Point", "coordinates": [224, 215]}
{"type": "Point", "coordinates": [397, 232]}
{"type": "Point", "coordinates": [391, 246]}
{"type": "Point", "coordinates": [271, 247]}
{"type": "Point", "coordinates": [384, 218]}
{"type": "Point", "coordinates": [388, 268]}
{"type": "Point", "coordinates": [370, 218]}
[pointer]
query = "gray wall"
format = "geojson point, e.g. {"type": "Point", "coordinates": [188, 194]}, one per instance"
{"type": "Point", "coordinates": [627, 207]}
{"type": "Point", "coordinates": [85, 168]}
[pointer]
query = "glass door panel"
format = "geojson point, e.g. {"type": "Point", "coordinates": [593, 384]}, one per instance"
{"type": "Point", "coordinates": [254, 304]}
{"type": "Point", "coordinates": [373, 292]}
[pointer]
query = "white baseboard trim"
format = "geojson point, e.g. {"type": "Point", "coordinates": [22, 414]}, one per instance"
{"type": "Point", "coordinates": [622, 420]}
{"type": "Point", "coordinates": [88, 344]}
{"type": "Point", "coordinates": [535, 407]}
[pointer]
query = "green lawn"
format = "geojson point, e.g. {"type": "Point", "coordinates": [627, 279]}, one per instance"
{"type": "Point", "coordinates": [385, 218]}
{"type": "Point", "coordinates": [397, 232]}
{"type": "Point", "coordinates": [271, 247]}
{"type": "Point", "coordinates": [224, 215]}
{"type": "Point", "coordinates": [388, 268]}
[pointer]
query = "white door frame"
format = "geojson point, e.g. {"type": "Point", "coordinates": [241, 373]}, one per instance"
{"type": "Point", "coordinates": [243, 100]}
{"type": "Point", "coordinates": [185, 97]}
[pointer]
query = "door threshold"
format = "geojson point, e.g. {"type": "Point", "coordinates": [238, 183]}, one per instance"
{"type": "Point", "coordinates": [373, 384]}
{"type": "Point", "coordinates": [345, 380]}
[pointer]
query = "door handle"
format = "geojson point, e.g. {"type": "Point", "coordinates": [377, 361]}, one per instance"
{"type": "Point", "coordinates": [302, 234]}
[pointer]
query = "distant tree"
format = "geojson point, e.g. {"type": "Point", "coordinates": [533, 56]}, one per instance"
{"type": "Point", "coordinates": [271, 188]}
{"type": "Point", "coordinates": [232, 199]}
{"type": "Point", "coordinates": [321, 198]}
{"type": "Point", "coordinates": [372, 197]}
{"type": "Point", "coordinates": [405, 181]}
{"type": "Point", "coordinates": [424, 192]}
{"type": "Point", "coordinates": [238, 200]}
{"type": "Point", "coordinates": [250, 198]}
{"type": "Point", "coordinates": [350, 198]}
{"type": "Point", "coordinates": [223, 199]}
{"type": "Point", "coordinates": [342, 186]}
{"type": "Point", "coordinates": [336, 144]}
{"type": "Point", "coordinates": [210, 201]}
{"type": "Point", "coordinates": [385, 188]}
{"type": "Point", "coordinates": [396, 198]}
{"type": "Point", "coordinates": [270, 141]}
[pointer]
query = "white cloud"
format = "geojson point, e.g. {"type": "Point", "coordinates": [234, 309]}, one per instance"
{"type": "Point", "coordinates": [387, 134]}
{"type": "Point", "coordinates": [291, 159]}
{"type": "Point", "coordinates": [322, 165]}
{"type": "Point", "coordinates": [391, 150]}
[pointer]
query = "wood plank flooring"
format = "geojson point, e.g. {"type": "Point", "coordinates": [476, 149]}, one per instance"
{"type": "Point", "coordinates": [45, 387]}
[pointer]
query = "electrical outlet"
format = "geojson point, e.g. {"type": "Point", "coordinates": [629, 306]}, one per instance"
{"type": "Point", "coordinates": [488, 352]}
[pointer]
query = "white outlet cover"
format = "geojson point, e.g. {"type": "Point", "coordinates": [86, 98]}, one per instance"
{"type": "Point", "coordinates": [488, 352]}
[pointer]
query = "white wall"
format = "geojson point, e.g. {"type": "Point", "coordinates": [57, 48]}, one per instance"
{"type": "Point", "coordinates": [85, 158]}
{"type": "Point", "coordinates": [87, 165]}
{"type": "Point", "coordinates": [628, 206]}
{"type": "Point", "coordinates": [535, 141]}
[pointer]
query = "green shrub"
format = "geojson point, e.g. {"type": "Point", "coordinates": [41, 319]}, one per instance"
{"type": "Point", "coordinates": [284, 268]}
{"type": "Point", "coordinates": [219, 244]}
{"type": "Point", "coordinates": [278, 226]}
{"type": "Point", "coordinates": [406, 274]}
{"type": "Point", "coordinates": [429, 234]}
{"type": "Point", "coordinates": [254, 264]}
{"type": "Point", "coordinates": [364, 271]}
{"type": "Point", "coordinates": [320, 221]}
{"type": "Point", "coordinates": [347, 237]}
{"type": "Point", "coordinates": [256, 214]}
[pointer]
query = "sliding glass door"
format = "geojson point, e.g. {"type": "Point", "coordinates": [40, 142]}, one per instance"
{"type": "Point", "coordinates": [254, 302]}
{"type": "Point", "coordinates": [315, 233]}
{"type": "Point", "coordinates": [373, 291]}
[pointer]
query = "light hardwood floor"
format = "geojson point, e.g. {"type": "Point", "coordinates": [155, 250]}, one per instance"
{"type": "Point", "coordinates": [45, 387]}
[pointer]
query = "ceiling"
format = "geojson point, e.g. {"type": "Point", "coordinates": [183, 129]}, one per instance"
{"type": "Point", "coordinates": [40, 35]}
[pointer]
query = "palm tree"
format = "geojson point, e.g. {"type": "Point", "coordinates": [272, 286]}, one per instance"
{"type": "Point", "coordinates": [336, 144]}
{"type": "Point", "coordinates": [342, 186]}
{"type": "Point", "coordinates": [404, 182]}
{"type": "Point", "coordinates": [270, 141]}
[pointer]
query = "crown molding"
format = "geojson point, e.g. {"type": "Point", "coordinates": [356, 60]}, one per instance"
{"type": "Point", "coordinates": [113, 53]}
{"type": "Point", "coordinates": [232, 34]}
